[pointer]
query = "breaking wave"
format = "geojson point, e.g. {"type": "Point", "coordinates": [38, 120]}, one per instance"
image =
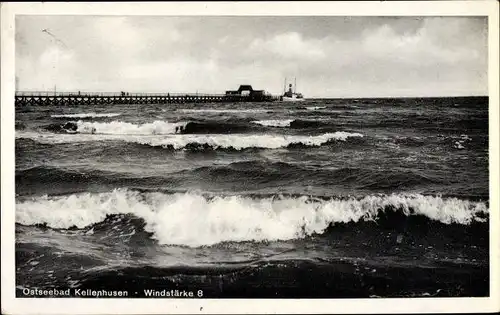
{"type": "Point", "coordinates": [315, 107]}
{"type": "Point", "coordinates": [181, 141]}
{"type": "Point", "coordinates": [124, 128]}
{"type": "Point", "coordinates": [154, 128]}
{"type": "Point", "coordinates": [274, 122]}
{"type": "Point", "coordinates": [86, 115]}
{"type": "Point", "coordinates": [194, 220]}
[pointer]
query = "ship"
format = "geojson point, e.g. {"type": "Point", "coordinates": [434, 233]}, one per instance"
{"type": "Point", "coordinates": [291, 95]}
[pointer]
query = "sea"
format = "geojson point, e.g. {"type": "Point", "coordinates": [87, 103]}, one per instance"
{"type": "Point", "coordinates": [326, 198]}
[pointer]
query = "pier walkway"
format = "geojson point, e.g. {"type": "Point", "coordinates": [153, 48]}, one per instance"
{"type": "Point", "coordinates": [43, 98]}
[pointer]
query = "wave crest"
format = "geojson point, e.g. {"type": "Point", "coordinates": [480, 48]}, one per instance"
{"type": "Point", "coordinates": [217, 141]}
{"type": "Point", "coordinates": [157, 127]}
{"type": "Point", "coordinates": [274, 122]}
{"type": "Point", "coordinates": [195, 220]}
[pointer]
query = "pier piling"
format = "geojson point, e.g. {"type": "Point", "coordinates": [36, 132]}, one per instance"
{"type": "Point", "coordinates": [35, 98]}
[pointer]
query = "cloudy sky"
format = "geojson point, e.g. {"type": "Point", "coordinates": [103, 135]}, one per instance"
{"type": "Point", "coordinates": [330, 56]}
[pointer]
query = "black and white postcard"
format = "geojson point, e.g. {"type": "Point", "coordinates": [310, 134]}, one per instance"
{"type": "Point", "coordinates": [250, 157]}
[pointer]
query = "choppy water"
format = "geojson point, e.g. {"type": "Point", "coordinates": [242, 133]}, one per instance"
{"type": "Point", "coordinates": [326, 198]}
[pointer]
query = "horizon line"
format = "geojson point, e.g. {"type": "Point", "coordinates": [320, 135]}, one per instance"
{"type": "Point", "coordinates": [223, 93]}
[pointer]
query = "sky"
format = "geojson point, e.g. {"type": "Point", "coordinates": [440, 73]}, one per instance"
{"type": "Point", "coordinates": [330, 56]}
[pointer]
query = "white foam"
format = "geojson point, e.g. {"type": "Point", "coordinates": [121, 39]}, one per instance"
{"type": "Point", "coordinates": [86, 115]}
{"type": "Point", "coordinates": [458, 145]}
{"type": "Point", "coordinates": [274, 122]}
{"type": "Point", "coordinates": [178, 141]}
{"type": "Point", "coordinates": [193, 220]}
{"type": "Point", "coordinates": [157, 127]}
{"type": "Point", "coordinates": [315, 107]}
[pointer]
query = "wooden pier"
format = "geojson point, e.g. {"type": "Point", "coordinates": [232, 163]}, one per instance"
{"type": "Point", "coordinates": [106, 98]}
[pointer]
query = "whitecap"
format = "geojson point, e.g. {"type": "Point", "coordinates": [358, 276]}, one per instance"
{"type": "Point", "coordinates": [274, 122]}
{"type": "Point", "coordinates": [192, 219]}
{"type": "Point", "coordinates": [180, 141]}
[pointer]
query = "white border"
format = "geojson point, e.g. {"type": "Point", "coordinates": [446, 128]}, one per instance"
{"type": "Point", "coordinates": [12, 305]}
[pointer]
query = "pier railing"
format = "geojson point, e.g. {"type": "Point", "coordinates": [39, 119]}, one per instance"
{"type": "Point", "coordinates": [83, 94]}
